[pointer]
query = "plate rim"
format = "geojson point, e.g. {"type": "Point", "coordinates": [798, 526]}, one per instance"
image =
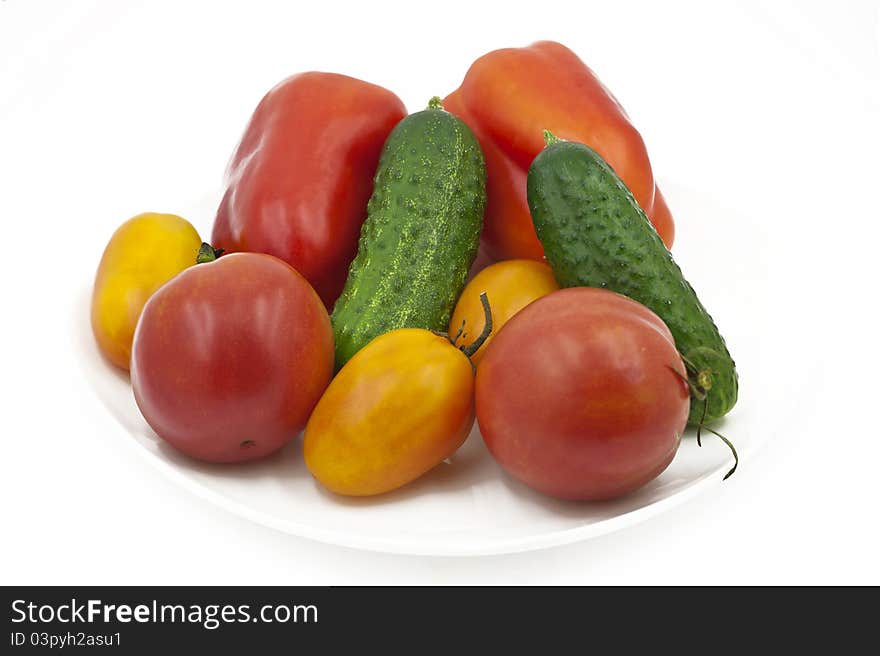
{"type": "Point", "coordinates": [397, 546]}
{"type": "Point", "coordinates": [501, 546]}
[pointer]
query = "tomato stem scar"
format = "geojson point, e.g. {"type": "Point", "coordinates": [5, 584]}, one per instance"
{"type": "Point", "coordinates": [208, 253]}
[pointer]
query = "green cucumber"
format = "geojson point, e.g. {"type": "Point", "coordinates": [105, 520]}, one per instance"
{"type": "Point", "coordinates": [595, 234]}
{"type": "Point", "coordinates": [421, 233]}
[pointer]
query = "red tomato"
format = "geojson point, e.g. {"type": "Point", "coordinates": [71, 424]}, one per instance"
{"type": "Point", "coordinates": [231, 356]}
{"type": "Point", "coordinates": [578, 395]}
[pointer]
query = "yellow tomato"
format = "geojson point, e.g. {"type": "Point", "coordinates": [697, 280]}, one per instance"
{"type": "Point", "coordinates": [145, 252]}
{"type": "Point", "coordinates": [399, 407]}
{"type": "Point", "coordinates": [510, 286]}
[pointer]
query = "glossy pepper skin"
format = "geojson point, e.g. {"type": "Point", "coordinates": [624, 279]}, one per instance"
{"type": "Point", "coordinates": [508, 97]}
{"type": "Point", "coordinates": [298, 183]}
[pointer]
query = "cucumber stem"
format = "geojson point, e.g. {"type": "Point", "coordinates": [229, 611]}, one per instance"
{"type": "Point", "coordinates": [474, 346]}
{"type": "Point", "coordinates": [550, 138]}
{"type": "Point", "coordinates": [699, 380]}
{"type": "Point", "coordinates": [435, 103]}
{"type": "Point", "coordinates": [208, 253]}
{"type": "Point", "coordinates": [699, 383]}
{"type": "Point", "coordinates": [730, 446]}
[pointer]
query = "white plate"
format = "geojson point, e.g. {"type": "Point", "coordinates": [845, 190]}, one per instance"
{"type": "Point", "coordinates": [469, 506]}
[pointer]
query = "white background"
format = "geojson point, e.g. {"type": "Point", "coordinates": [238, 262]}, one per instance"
{"type": "Point", "coordinates": [108, 109]}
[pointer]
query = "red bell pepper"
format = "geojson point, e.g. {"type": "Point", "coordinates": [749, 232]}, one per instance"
{"type": "Point", "coordinates": [508, 98]}
{"type": "Point", "coordinates": [298, 184]}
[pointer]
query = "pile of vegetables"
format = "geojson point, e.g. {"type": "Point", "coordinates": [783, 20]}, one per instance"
{"type": "Point", "coordinates": [334, 298]}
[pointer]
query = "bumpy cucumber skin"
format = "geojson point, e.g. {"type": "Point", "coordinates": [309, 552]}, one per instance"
{"type": "Point", "coordinates": [595, 234]}
{"type": "Point", "coordinates": [421, 233]}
